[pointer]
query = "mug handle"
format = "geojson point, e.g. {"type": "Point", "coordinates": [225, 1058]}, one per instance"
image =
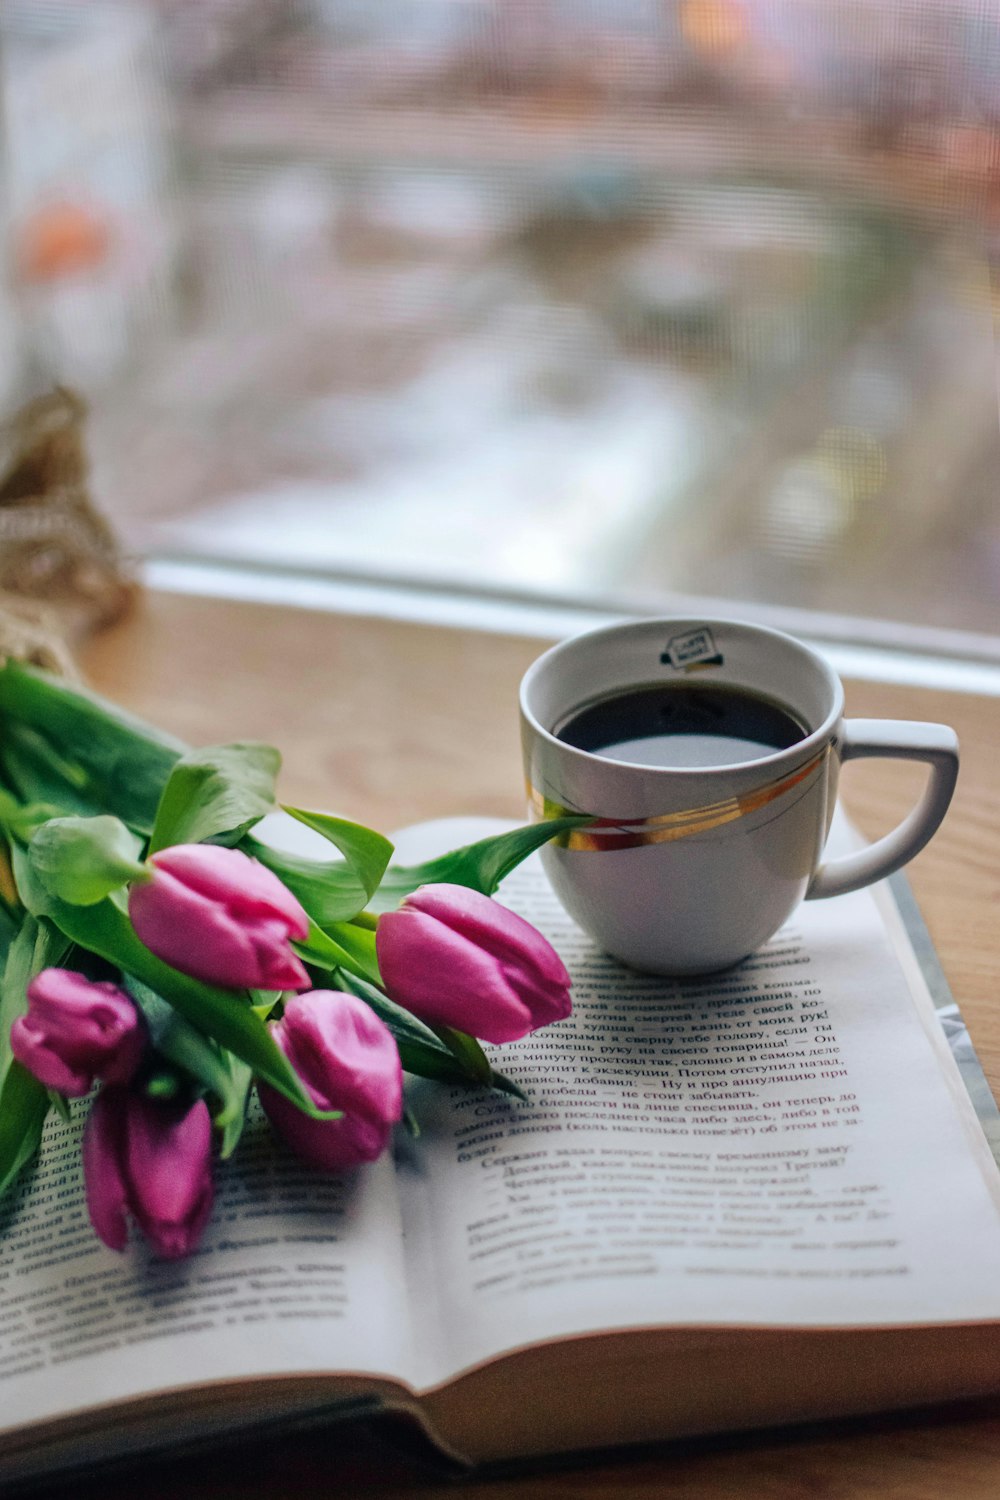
{"type": "Point", "coordinates": [895, 739]}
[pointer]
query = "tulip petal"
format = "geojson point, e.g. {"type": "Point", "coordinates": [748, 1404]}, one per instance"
{"type": "Point", "coordinates": [208, 941]}
{"type": "Point", "coordinates": [168, 1157]}
{"type": "Point", "coordinates": [347, 1060]}
{"type": "Point", "coordinates": [152, 1160]}
{"type": "Point", "coordinates": [331, 1145]}
{"type": "Point", "coordinates": [30, 1045]}
{"type": "Point", "coordinates": [445, 979]}
{"type": "Point", "coordinates": [76, 1030]}
{"type": "Point", "coordinates": [546, 1000]}
{"type": "Point", "coordinates": [458, 958]}
{"type": "Point", "coordinates": [231, 877]}
{"type": "Point", "coordinates": [496, 928]}
{"type": "Point", "coordinates": [344, 1054]}
{"type": "Point", "coordinates": [103, 1157]}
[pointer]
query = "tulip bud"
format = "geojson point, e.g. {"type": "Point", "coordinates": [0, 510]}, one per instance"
{"type": "Point", "coordinates": [457, 958]}
{"type": "Point", "coordinates": [151, 1159]}
{"type": "Point", "coordinates": [76, 1031]}
{"type": "Point", "coordinates": [347, 1060]}
{"type": "Point", "coordinates": [220, 916]}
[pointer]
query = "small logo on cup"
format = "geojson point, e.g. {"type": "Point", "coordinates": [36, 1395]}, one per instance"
{"type": "Point", "coordinates": [695, 649]}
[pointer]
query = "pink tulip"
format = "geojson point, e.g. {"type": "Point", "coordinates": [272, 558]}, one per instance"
{"type": "Point", "coordinates": [76, 1031]}
{"type": "Point", "coordinates": [219, 915]}
{"type": "Point", "coordinates": [151, 1159]}
{"type": "Point", "coordinates": [347, 1059]}
{"type": "Point", "coordinates": [457, 958]}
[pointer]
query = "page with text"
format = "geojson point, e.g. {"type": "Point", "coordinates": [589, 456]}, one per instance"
{"type": "Point", "coordinates": [782, 1144]}
{"type": "Point", "coordinates": [296, 1272]}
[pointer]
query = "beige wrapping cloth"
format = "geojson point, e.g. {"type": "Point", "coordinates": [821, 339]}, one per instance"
{"type": "Point", "coordinates": [62, 572]}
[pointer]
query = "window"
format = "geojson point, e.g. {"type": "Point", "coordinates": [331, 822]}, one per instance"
{"type": "Point", "coordinates": [603, 301]}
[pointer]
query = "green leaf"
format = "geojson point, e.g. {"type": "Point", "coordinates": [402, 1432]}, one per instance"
{"type": "Point", "coordinates": [24, 1105]}
{"type": "Point", "coordinates": [328, 892]}
{"type": "Point", "coordinates": [82, 860]}
{"type": "Point", "coordinates": [34, 895]}
{"type": "Point", "coordinates": [216, 793]}
{"type": "Point", "coordinates": [104, 929]}
{"type": "Point", "coordinates": [19, 820]}
{"type": "Point", "coordinates": [480, 866]}
{"type": "Point", "coordinates": [39, 775]}
{"type": "Point", "coordinates": [8, 932]}
{"type": "Point", "coordinates": [359, 944]}
{"type": "Point", "coordinates": [226, 1077]}
{"type": "Point", "coordinates": [164, 1083]}
{"type": "Point", "coordinates": [37, 946]}
{"type": "Point", "coordinates": [507, 1086]}
{"type": "Point", "coordinates": [24, 1102]}
{"type": "Point", "coordinates": [113, 761]}
{"type": "Point", "coordinates": [468, 1052]}
{"type": "Point", "coordinates": [367, 853]}
{"type": "Point", "coordinates": [231, 1115]}
{"type": "Point", "coordinates": [60, 1104]}
{"type": "Point", "coordinates": [344, 947]}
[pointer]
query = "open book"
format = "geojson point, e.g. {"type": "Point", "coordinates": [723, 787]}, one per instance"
{"type": "Point", "coordinates": [756, 1198]}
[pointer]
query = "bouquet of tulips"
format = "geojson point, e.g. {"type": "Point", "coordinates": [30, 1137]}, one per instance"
{"type": "Point", "coordinates": [157, 955]}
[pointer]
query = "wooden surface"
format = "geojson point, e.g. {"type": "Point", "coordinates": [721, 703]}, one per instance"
{"type": "Point", "coordinates": [391, 723]}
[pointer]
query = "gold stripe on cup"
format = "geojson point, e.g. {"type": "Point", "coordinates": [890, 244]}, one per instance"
{"type": "Point", "coordinates": [634, 833]}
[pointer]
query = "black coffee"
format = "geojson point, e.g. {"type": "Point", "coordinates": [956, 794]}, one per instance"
{"type": "Point", "coordinates": [682, 724]}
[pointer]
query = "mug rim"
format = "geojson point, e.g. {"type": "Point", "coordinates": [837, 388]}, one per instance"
{"type": "Point", "coordinates": [809, 744]}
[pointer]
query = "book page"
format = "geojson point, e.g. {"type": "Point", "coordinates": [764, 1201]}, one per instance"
{"type": "Point", "coordinates": [783, 1144]}
{"type": "Point", "coordinates": [296, 1272]}
{"type": "Point", "coordinates": [786, 1143]}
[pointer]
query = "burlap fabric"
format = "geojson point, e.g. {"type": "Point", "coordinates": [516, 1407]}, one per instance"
{"type": "Point", "coordinates": [62, 572]}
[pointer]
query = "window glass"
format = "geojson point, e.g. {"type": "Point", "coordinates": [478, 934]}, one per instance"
{"type": "Point", "coordinates": [598, 300]}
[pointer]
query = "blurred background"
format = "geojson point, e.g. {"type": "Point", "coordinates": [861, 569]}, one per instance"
{"type": "Point", "coordinates": [601, 301]}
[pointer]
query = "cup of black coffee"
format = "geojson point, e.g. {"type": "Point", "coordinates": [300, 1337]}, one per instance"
{"type": "Point", "coordinates": [706, 753]}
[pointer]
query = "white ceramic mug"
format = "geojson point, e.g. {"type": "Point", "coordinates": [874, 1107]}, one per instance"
{"type": "Point", "coordinates": [686, 869]}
